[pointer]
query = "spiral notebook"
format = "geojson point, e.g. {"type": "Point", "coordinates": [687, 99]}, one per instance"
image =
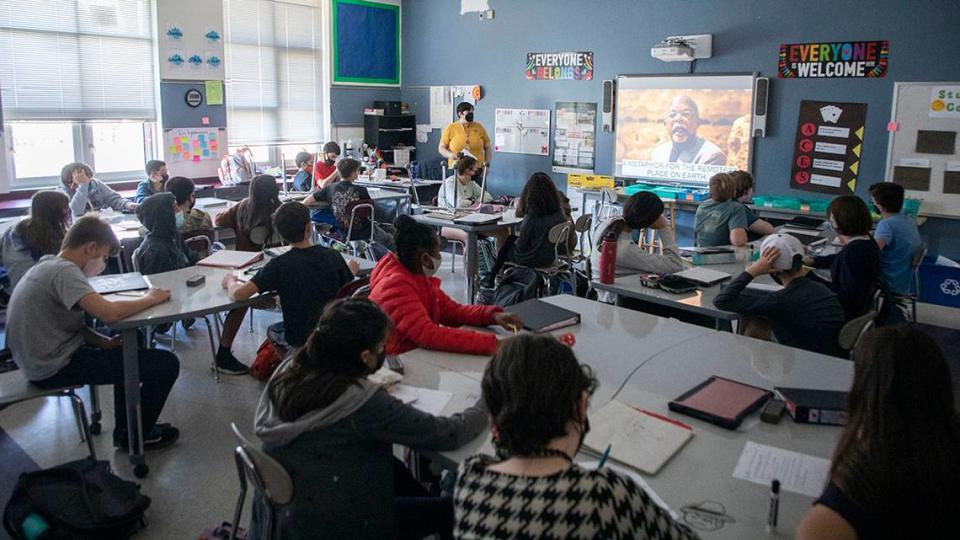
{"type": "Point", "coordinates": [637, 438]}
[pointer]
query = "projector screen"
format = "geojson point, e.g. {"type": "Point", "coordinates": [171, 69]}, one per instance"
{"type": "Point", "coordinates": [683, 129]}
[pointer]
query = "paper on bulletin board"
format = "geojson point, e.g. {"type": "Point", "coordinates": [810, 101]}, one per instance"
{"type": "Point", "coordinates": [423, 132]}
{"type": "Point", "coordinates": [192, 144]}
{"type": "Point", "coordinates": [473, 6]}
{"type": "Point", "coordinates": [214, 92]}
{"type": "Point", "coordinates": [444, 101]}
{"type": "Point", "coordinates": [522, 131]}
{"type": "Point", "coordinates": [574, 137]}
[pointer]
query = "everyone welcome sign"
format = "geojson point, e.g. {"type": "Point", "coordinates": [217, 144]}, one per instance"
{"type": "Point", "coordinates": [834, 60]}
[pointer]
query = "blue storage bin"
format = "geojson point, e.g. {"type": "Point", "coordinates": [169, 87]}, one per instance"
{"type": "Point", "coordinates": [939, 284]}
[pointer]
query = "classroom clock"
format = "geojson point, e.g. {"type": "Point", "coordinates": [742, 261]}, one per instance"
{"type": "Point", "coordinates": [193, 98]}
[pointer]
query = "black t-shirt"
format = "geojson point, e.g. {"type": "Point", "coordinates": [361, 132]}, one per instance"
{"type": "Point", "coordinates": [339, 195]}
{"type": "Point", "coordinates": [533, 247]}
{"type": "Point", "coordinates": [306, 280]}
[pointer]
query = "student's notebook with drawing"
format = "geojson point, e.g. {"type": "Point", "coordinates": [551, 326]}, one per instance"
{"type": "Point", "coordinates": [114, 283]}
{"type": "Point", "coordinates": [703, 276]}
{"type": "Point", "coordinates": [638, 438]}
{"type": "Point", "coordinates": [540, 316]}
{"type": "Point", "coordinates": [228, 258]}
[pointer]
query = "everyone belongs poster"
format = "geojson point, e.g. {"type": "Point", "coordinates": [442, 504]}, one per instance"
{"type": "Point", "coordinates": [829, 141]}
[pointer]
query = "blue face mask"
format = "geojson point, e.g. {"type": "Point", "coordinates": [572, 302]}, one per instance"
{"type": "Point", "coordinates": [178, 218]}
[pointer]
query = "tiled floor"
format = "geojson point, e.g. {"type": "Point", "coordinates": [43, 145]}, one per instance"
{"type": "Point", "coordinates": [194, 483]}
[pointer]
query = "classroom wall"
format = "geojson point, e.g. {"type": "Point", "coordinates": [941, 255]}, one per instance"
{"type": "Point", "coordinates": [442, 47]}
{"type": "Point", "coordinates": [347, 102]}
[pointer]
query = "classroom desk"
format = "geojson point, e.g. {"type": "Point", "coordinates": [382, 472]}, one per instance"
{"type": "Point", "coordinates": [422, 191]}
{"type": "Point", "coordinates": [646, 361]}
{"type": "Point", "coordinates": [509, 219]}
{"type": "Point", "coordinates": [366, 265]}
{"type": "Point", "coordinates": [184, 302]}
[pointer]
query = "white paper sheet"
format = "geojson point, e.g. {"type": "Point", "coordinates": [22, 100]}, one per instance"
{"type": "Point", "coordinates": [473, 6]}
{"type": "Point", "coordinates": [441, 106]}
{"type": "Point", "coordinates": [635, 476]}
{"type": "Point", "coordinates": [799, 473]}
{"type": "Point", "coordinates": [427, 400]}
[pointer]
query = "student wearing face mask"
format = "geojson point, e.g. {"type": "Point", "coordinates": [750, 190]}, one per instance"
{"type": "Point", "coordinates": [156, 178]}
{"type": "Point", "coordinates": [334, 430]}
{"type": "Point", "coordinates": [303, 181]}
{"type": "Point", "coordinates": [533, 488]}
{"type": "Point", "coordinates": [422, 314]}
{"type": "Point", "coordinates": [465, 137]}
{"type": "Point", "coordinates": [192, 219]}
{"type": "Point", "coordinates": [52, 301]}
{"type": "Point", "coordinates": [325, 169]}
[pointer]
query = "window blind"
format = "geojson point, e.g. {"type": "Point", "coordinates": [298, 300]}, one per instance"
{"type": "Point", "coordinates": [273, 66]}
{"type": "Point", "coordinates": [77, 60]}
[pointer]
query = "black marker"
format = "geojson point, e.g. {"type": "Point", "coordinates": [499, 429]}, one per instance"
{"type": "Point", "coordinates": [774, 506]}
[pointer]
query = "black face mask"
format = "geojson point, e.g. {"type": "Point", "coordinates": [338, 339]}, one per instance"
{"type": "Point", "coordinates": [329, 162]}
{"type": "Point", "coordinates": [381, 358]}
{"type": "Point", "coordinates": [164, 178]}
{"type": "Point", "coordinates": [468, 117]}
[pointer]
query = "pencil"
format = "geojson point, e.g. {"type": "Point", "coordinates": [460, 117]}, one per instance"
{"type": "Point", "coordinates": [516, 329]}
{"type": "Point", "coordinates": [606, 454]}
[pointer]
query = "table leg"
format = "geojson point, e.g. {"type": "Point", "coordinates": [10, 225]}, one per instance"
{"type": "Point", "coordinates": [470, 266]}
{"type": "Point", "coordinates": [131, 390]}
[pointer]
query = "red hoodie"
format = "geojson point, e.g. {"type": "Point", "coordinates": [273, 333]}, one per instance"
{"type": "Point", "coordinates": [418, 307]}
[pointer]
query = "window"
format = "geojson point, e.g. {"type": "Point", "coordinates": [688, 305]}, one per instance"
{"type": "Point", "coordinates": [275, 83]}
{"type": "Point", "coordinates": [77, 79]}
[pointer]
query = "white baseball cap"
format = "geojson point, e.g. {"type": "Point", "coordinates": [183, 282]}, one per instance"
{"type": "Point", "coordinates": [789, 247]}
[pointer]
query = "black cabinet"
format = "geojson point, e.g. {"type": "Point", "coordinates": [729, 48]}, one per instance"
{"type": "Point", "coordinates": [389, 131]}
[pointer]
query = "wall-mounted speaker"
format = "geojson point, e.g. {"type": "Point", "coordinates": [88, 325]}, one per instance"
{"type": "Point", "coordinates": [609, 98]}
{"type": "Point", "coordinates": [761, 91]}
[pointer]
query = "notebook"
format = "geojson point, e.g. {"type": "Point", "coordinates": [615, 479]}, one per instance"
{"type": "Point", "coordinates": [638, 438]}
{"type": "Point", "coordinates": [540, 316]}
{"type": "Point", "coordinates": [720, 401]}
{"type": "Point", "coordinates": [114, 283]}
{"type": "Point", "coordinates": [703, 276]}
{"type": "Point", "coordinates": [228, 258]}
{"type": "Point", "coordinates": [478, 219]}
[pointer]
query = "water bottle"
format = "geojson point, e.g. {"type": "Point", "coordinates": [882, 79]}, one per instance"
{"type": "Point", "coordinates": [608, 258]}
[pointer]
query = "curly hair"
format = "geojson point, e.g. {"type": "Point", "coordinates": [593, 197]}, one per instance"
{"type": "Point", "coordinates": [539, 197]}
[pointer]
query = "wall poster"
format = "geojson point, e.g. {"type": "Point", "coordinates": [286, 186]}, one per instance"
{"type": "Point", "coordinates": [574, 66]}
{"type": "Point", "coordinates": [833, 60]}
{"type": "Point", "coordinates": [574, 137]}
{"type": "Point", "coordinates": [522, 131]}
{"type": "Point", "coordinates": [826, 156]}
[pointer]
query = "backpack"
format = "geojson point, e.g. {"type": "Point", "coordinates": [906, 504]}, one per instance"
{"type": "Point", "coordinates": [268, 358]}
{"type": "Point", "coordinates": [77, 500]}
{"type": "Point", "coordinates": [519, 283]}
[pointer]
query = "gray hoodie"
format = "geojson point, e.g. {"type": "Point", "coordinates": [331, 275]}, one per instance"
{"type": "Point", "coordinates": [341, 458]}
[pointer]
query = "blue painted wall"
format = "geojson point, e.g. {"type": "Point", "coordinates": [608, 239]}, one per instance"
{"type": "Point", "coordinates": [347, 102]}
{"type": "Point", "coordinates": [442, 47]}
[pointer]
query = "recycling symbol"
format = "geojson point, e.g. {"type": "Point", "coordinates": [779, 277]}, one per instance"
{"type": "Point", "coordinates": [951, 287]}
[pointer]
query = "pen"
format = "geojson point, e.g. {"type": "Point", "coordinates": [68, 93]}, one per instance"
{"type": "Point", "coordinates": [774, 506]}
{"type": "Point", "coordinates": [606, 454]}
{"type": "Point", "coordinates": [135, 294]}
{"type": "Point", "coordinates": [516, 329]}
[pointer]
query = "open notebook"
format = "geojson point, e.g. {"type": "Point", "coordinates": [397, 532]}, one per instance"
{"type": "Point", "coordinates": [228, 258]}
{"type": "Point", "coordinates": [637, 438]}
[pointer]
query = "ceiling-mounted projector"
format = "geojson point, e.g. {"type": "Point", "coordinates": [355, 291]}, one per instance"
{"type": "Point", "coordinates": [683, 48]}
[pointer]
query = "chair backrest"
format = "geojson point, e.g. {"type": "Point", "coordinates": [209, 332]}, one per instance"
{"type": "Point", "coordinates": [350, 289]}
{"type": "Point", "coordinates": [582, 227]}
{"type": "Point", "coordinates": [135, 260]}
{"type": "Point", "coordinates": [361, 212]}
{"type": "Point", "coordinates": [198, 240]}
{"type": "Point", "coordinates": [851, 332]}
{"type": "Point", "coordinates": [918, 255]}
{"type": "Point", "coordinates": [559, 235]}
{"type": "Point", "coordinates": [608, 201]}
{"type": "Point", "coordinates": [267, 474]}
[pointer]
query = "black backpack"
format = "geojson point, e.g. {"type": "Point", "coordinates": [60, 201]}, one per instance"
{"type": "Point", "coordinates": [78, 500]}
{"type": "Point", "coordinates": [519, 283]}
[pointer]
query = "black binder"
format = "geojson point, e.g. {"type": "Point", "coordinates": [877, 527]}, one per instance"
{"type": "Point", "coordinates": [539, 316]}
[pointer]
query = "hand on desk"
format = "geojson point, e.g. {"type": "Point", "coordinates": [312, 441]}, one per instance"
{"type": "Point", "coordinates": [157, 295]}
{"type": "Point", "coordinates": [508, 320]}
{"type": "Point", "coordinates": [228, 280]}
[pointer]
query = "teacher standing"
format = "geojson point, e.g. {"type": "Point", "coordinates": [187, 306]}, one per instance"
{"type": "Point", "coordinates": [465, 137]}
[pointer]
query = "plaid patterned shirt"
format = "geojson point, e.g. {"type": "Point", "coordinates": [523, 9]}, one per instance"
{"type": "Point", "coordinates": [575, 503]}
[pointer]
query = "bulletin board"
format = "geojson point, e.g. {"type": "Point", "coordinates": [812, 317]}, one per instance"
{"type": "Point", "coordinates": [366, 43]}
{"type": "Point", "coordinates": [574, 137]}
{"type": "Point", "coordinates": [922, 154]}
{"type": "Point", "coordinates": [522, 131]}
{"type": "Point", "coordinates": [194, 152]}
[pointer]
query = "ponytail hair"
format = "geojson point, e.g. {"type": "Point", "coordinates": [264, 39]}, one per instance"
{"type": "Point", "coordinates": [330, 361]}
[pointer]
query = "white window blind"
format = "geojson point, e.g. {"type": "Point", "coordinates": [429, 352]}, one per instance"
{"type": "Point", "coordinates": [77, 60]}
{"type": "Point", "coordinates": [274, 72]}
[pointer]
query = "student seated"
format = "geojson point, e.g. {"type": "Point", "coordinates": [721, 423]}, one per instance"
{"type": "Point", "coordinates": [39, 234]}
{"type": "Point", "coordinates": [163, 248]}
{"type": "Point", "coordinates": [305, 278]}
{"type": "Point", "coordinates": [460, 186]}
{"type": "Point", "coordinates": [804, 314]}
{"type": "Point", "coordinates": [855, 269]}
{"type": "Point", "coordinates": [897, 235]}
{"type": "Point", "coordinates": [342, 196]}
{"type": "Point", "coordinates": [422, 314]}
{"type": "Point", "coordinates": [87, 193]}
{"type": "Point", "coordinates": [744, 187]}
{"type": "Point", "coordinates": [326, 172]}
{"type": "Point", "coordinates": [252, 222]}
{"type": "Point", "coordinates": [194, 219]}
{"type": "Point", "coordinates": [643, 210]}
{"type": "Point", "coordinates": [894, 473]}
{"type": "Point", "coordinates": [533, 488]}
{"type": "Point", "coordinates": [156, 178]}
{"type": "Point", "coordinates": [334, 431]}
{"type": "Point", "coordinates": [542, 207]}
{"type": "Point", "coordinates": [303, 181]}
{"type": "Point", "coordinates": [721, 220]}
{"type": "Point", "coordinates": [51, 343]}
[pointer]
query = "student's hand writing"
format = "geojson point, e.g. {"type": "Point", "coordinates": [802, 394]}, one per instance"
{"type": "Point", "coordinates": [158, 295]}
{"type": "Point", "coordinates": [230, 279]}
{"type": "Point", "coordinates": [765, 263]}
{"type": "Point", "coordinates": [354, 266]}
{"type": "Point", "coordinates": [508, 320]}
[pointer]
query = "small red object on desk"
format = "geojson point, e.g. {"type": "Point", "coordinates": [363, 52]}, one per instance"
{"type": "Point", "coordinates": [568, 339]}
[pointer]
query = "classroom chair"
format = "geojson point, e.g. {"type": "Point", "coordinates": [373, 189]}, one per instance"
{"type": "Point", "coordinates": [270, 480]}
{"type": "Point", "coordinates": [854, 329]}
{"type": "Point", "coordinates": [608, 205]}
{"type": "Point", "coordinates": [15, 388]}
{"type": "Point", "coordinates": [914, 295]}
{"type": "Point", "coordinates": [562, 266]}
